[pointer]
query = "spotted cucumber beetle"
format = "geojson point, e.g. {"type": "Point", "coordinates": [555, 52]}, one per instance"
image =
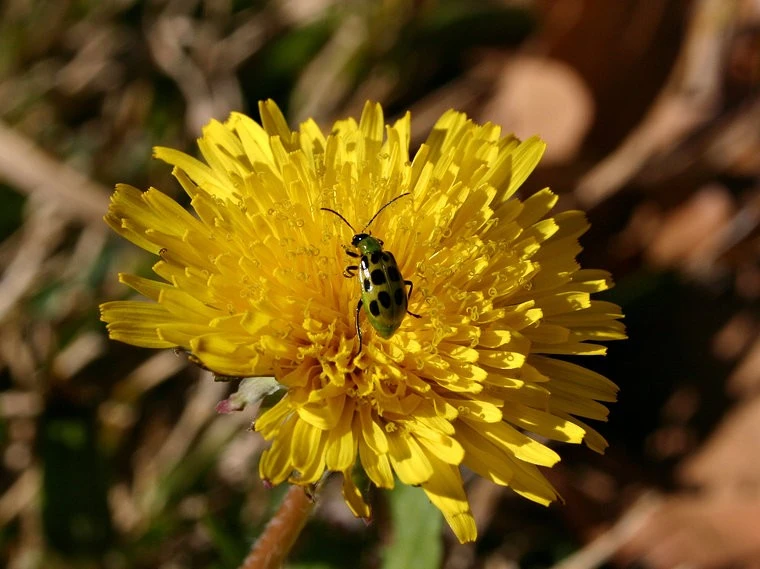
{"type": "Point", "coordinates": [383, 288]}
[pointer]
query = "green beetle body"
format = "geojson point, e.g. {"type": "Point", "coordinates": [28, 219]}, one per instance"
{"type": "Point", "coordinates": [383, 289]}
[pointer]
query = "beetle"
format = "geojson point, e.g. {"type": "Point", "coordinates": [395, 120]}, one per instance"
{"type": "Point", "coordinates": [383, 295]}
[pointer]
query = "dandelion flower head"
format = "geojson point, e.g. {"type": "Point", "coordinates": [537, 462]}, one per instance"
{"type": "Point", "coordinates": [251, 284]}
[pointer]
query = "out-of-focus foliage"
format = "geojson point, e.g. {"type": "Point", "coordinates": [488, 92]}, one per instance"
{"type": "Point", "coordinates": [115, 456]}
{"type": "Point", "coordinates": [416, 540]}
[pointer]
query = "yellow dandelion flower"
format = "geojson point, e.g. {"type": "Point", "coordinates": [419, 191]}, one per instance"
{"type": "Point", "coordinates": [252, 285]}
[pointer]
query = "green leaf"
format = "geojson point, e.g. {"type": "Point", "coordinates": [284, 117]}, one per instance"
{"type": "Point", "coordinates": [417, 531]}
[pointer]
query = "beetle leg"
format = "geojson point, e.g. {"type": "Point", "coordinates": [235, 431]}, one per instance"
{"type": "Point", "coordinates": [358, 329]}
{"type": "Point", "coordinates": [350, 253]}
{"type": "Point", "coordinates": [350, 271]}
{"type": "Point", "coordinates": [410, 284]}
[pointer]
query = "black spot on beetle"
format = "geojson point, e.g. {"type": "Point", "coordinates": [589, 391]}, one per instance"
{"type": "Point", "coordinates": [399, 297]}
{"type": "Point", "coordinates": [364, 262]}
{"type": "Point", "coordinates": [378, 277]}
{"type": "Point", "coordinates": [393, 274]}
{"type": "Point", "coordinates": [367, 285]}
{"type": "Point", "coordinates": [384, 298]}
{"type": "Point", "coordinates": [387, 257]}
{"type": "Point", "coordinates": [375, 257]}
{"type": "Point", "coordinates": [374, 309]}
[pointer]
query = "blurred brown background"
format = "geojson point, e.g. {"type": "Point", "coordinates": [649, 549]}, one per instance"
{"type": "Point", "coordinates": [113, 456]}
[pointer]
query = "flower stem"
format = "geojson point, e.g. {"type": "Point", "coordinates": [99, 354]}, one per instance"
{"type": "Point", "coordinates": [274, 544]}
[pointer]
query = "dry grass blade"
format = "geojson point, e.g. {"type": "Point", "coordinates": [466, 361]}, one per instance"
{"type": "Point", "coordinates": [604, 547]}
{"type": "Point", "coordinates": [29, 169]}
{"type": "Point", "coordinates": [41, 235]}
{"type": "Point", "coordinates": [20, 495]}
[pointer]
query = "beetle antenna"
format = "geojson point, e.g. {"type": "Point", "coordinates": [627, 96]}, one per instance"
{"type": "Point", "coordinates": [339, 215]}
{"type": "Point", "coordinates": [382, 208]}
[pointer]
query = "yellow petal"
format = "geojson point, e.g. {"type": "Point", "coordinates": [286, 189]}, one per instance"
{"type": "Point", "coordinates": [446, 491]}
{"type": "Point", "coordinates": [484, 457]}
{"type": "Point", "coordinates": [326, 414]}
{"type": "Point", "coordinates": [371, 432]}
{"type": "Point", "coordinates": [307, 454]}
{"type": "Point", "coordinates": [270, 422]}
{"type": "Point", "coordinates": [274, 465]}
{"type": "Point", "coordinates": [525, 158]}
{"type": "Point", "coordinates": [478, 410]}
{"type": "Point", "coordinates": [199, 172]}
{"type": "Point", "coordinates": [542, 423]}
{"type": "Point", "coordinates": [275, 124]}
{"type": "Point", "coordinates": [354, 498]}
{"type": "Point", "coordinates": [536, 207]}
{"type": "Point", "coordinates": [409, 461]}
{"type": "Point", "coordinates": [342, 442]}
{"type": "Point", "coordinates": [254, 139]}
{"type": "Point", "coordinates": [377, 466]}
{"type": "Point", "coordinates": [135, 322]}
{"type": "Point", "coordinates": [516, 443]}
{"type": "Point", "coordinates": [440, 445]}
